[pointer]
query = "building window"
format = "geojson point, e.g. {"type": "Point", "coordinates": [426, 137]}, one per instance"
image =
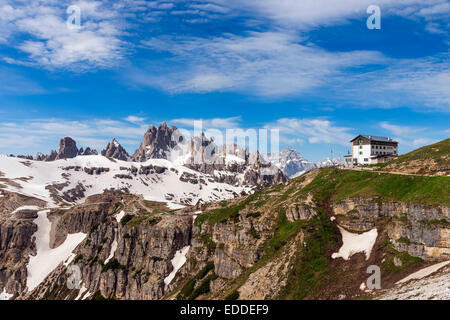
{"type": "Point", "coordinates": [366, 159]}
{"type": "Point", "coordinates": [360, 152]}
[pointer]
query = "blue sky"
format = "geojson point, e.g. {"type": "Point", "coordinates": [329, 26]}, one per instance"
{"type": "Point", "coordinates": [310, 68]}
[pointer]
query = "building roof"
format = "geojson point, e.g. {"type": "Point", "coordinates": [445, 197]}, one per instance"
{"type": "Point", "coordinates": [374, 138]}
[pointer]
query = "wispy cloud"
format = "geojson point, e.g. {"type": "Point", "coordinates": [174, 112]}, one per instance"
{"type": "Point", "coordinates": [31, 135]}
{"type": "Point", "coordinates": [39, 31]}
{"type": "Point", "coordinates": [260, 63]}
{"type": "Point", "coordinates": [312, 13]}
{"type": "Point", "coordinates": [135, 119]}
{"type": "Point", "coordinates": [214, 123]}
{"type": "Point", "coordinates": [410, 135]}
{"type": "Point", "coordinates": [298, 130]}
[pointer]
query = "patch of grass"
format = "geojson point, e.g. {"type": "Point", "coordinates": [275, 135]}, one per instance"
{"type": "Point", "coordinates": [344, 184]}
{"type": "Point", "coordinates": [187, 289]}
{"type": "Point", "coordinates": [233, 295]}
{"type": "Point", "coordinates": [148, 219]}
{"type": "Point", "coordinates": [94, 228]}
{"type": "Point", "coordinates": [407, 260]}
{"type": "Point", "coordinates": [311, 262]}
{"type": "Point", "coordinates": [125, 219]}
{"type": "Point", "coordinates": [113, 265]}
{"type": "Point", "coordinates": [254, 233]}
{"type": "Point", "coordinates": [227, 213]}
{"type": "Point", "coordinates": [223, 203]}
{"type": "Point", "coordinates": [441, 222]}
{"type": "Point", "coordinates": [78, 258]}
{"type": "Point", "coordinates": [209, 243]}
{"type": "Point", "coordinates": [156, 259]}
{"type": "Point", "coordinates": [284, 231]}
{"type": "Point", "coordinates": [404, 240]}
{"type": "Point", "coordinates": [187, 292]}
{"type": "Point", "coordinates": [439, 152]}
{"type": "Point", "coordinates": [253, 215]}
{"type": "Point", "coordinates": [204, 287]}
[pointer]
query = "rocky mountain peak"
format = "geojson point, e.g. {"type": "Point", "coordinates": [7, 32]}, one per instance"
{"type": "Point", "coordinates": [67, 148]}
{"type": "Point", "coordinates": [157, 143]}
{"type": "Point", "coordinates": [87, 152]}
{"type": "Point", "coordinates": [116, 151]}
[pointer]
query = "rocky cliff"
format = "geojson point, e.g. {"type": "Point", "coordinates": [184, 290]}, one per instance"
{"type": "Point", "coordinates": [278, 243]}
{"type": "Point", "coordinates": [116, 151]}
{"type": "Point", "coordinates": [157, 143]}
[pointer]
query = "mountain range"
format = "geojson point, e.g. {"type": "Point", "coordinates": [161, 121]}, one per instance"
{"type": "Point", "coordinates": [158, 226]}
{"type": "Point", "coordinates": [164, 142]}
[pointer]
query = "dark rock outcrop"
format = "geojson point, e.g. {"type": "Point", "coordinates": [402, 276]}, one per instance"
{"type": "Point", "coordinates": [67, 148]}
{"type": "Point", "coordinates": [87, 152]}
{"type": "Point", "coordinates": [116, 151]}
{"type": "Point", "coordinates": [157, 143]}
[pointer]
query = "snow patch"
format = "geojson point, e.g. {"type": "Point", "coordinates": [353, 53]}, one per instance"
{"type": "Point", "coordinates": [119, 216]}
{"type": "Point", "coordinates": [69, 259]}
{"type": "Point", "coordinates": [174, 206]}
{"type": "Point", "coordinates": [83, 289]}
{"type": "Point", "coordinates": [47, 259]}
{"type": "Point", "coordinates": [113, 250]}
{"type": "Point", "coordinates": [434, 287]}
{"type": "Point", "coordinates": [424, 272]}
{"type": "Point", "coordinates": [34, 178]}
{"type": "Point", "coordinates": [354, 243]}
{"type": "Point", "coordinates": [5, 295]}
{"type": "Point", "coordinates": [177, 262]}
{"type": "Point", "coordinates": [25, 208]}
{"type": "Point", "coordinates": [86, 295]}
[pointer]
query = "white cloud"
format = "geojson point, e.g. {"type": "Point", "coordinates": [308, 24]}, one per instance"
{"type": "Point", "coordinates": [401, 131]}
{"type": "Point", "coordinates": [51, 44]}
{"type": "Point", "coordinates": [134, 119]}
{"type": "Point", "coordinates": [215, 123]}
{"type": "Point", "coordinates": [312, 130]}
{"type": "Point", "coordinates": [409, 135]}
{"type": "Point", "coordinates": [34, 135]}
{"type": "Point", "coordinates": [267, 64]}
{"type": "Point", "coordinates": [306, 14]}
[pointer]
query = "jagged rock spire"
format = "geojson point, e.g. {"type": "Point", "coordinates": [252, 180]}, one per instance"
{"type": "Point", "coordinates": [116, 151]}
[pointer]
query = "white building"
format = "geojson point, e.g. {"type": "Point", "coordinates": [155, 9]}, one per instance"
{"type": "Point", "coordinates": [371, 150]}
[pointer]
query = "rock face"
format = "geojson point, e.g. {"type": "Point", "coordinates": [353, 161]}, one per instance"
{"type": "Point", "coordinates": [422, 231]}
{"type": "Point", "coordinates": [16, 240]}
{"type": "Point", "coordinates": [156, 144]}
{"type": "Point", "coordinates": [130, 242]}
{"type": "Point", "coordinates": [87, 152]}
{"type": "Point", "coordinates": [292, 163]}
{"type": "Point", "coordinates": [116, 151]}
{"type": "Point", "coordinates": [67, 148]}
{"type": "Point", "coordinates": [122, 259]}
{"type": "Point", "coordinates": [299, 212]}
{"type": "Point", "coordinates": [229, 164]}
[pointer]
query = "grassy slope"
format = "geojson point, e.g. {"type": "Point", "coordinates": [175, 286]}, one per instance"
{"type": "Point", "coordinates": [328, 186]}
{"type": "Point", "coordinates": [429, 160]}
{"type": "Point", "coordinates": [439, 151]}
{"type": "Point", "coordinates": [343, 184]}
